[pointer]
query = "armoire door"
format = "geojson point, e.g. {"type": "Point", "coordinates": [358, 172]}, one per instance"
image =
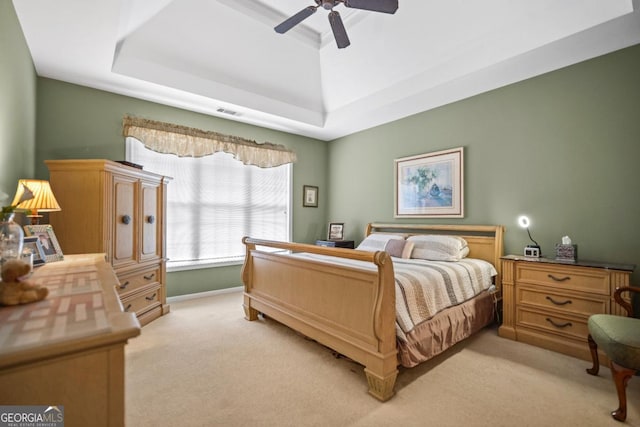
{"type": "Point", "coordinates": [151, 221]}
{"type": "Point", "coordinates": [126, 220]}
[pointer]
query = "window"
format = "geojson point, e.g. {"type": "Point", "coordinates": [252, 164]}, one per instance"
{"type": "Point", "coordinates": [214, 201]}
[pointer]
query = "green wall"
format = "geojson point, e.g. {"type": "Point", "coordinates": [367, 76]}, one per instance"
{"type": "Point", "coordinates": [78, 122]}
{"type": "Point", "coordinates": [17, 103]}
{"type": "Point", "coordinates": [562, 148]}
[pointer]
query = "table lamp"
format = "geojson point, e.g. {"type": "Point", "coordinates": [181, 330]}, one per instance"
{"type": "Point", "coordinates": [43, 199]}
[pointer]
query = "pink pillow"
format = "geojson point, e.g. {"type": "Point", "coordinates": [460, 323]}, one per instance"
{"type": "Point", "coordinates": [399, 248]}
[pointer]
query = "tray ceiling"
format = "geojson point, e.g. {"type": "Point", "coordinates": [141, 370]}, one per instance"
{"type": "Point", "coordinates": [223, 58]}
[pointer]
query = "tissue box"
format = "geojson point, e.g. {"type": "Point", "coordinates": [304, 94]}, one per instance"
{"type": "Point", "coordinates": [566, 252]}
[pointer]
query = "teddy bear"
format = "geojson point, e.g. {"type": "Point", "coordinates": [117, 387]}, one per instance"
{"type": "Point", "coordinates": [13, 289]}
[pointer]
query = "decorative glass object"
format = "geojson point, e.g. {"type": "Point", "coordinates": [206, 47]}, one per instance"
{"type": "Point", "coordinates": [11, 238]}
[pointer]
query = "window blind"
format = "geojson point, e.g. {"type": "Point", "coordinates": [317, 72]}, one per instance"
{"type": "Point", "coordinates": [214, 201]}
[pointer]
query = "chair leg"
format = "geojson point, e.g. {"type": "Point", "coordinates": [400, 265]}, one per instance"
{"type": "Point", "coordinates": [594, 356]}
{"type": "Point", "coordinates": [621, 377]}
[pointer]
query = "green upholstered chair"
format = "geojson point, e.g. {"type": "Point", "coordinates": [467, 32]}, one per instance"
{"type": "Point", "coordinates": [619, 338]}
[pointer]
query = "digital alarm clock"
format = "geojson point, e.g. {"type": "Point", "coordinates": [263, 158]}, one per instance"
{"type": "Point", "coordinates": [532, 251]}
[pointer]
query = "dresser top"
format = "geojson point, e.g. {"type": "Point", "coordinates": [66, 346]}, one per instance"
{"type": "Point", "coordinates": [579, 262]}
{"type": "Point", "coordinates": [82, 310]}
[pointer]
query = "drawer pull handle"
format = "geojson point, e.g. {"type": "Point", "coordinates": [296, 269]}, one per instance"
{"type": "Point", "coordinates": [558, 302]}
{"type": "Point", "coordinates": [150, 276]}
{"type": "Point", "coordinates": [151, 219]}
{"type": "Point", "coordinates": [127, 308]}
{"type": "Point", "coordinates": [559, 279]}
{"type": "Point", "coordinates": [126, 219]}
{"type": "Point", "coordinates": [124, 285]}
{"type": "Point", "coordinates": [151, 298]}
{"type": "Point", "coordinates": [558, 325]}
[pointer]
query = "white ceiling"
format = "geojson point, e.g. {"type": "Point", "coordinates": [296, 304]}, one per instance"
{"type": "Point", "coordinates": [210, 55]}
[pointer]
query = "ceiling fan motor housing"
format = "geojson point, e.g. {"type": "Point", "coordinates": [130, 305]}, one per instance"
{"type": "Point", "coordinates": [328, 4]}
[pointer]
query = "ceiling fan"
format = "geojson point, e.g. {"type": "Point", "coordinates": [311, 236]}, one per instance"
{"type": "Point", "coordinates": [340, 34]}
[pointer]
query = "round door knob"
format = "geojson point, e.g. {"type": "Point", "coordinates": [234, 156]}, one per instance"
{"type": "Point", "coordinates": [151, 219]}
{"type": "Point", "coordinates": [126, 219]}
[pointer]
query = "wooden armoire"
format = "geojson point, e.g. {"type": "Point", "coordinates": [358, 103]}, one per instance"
{"type": "Point", "coordinates": [119, 210]}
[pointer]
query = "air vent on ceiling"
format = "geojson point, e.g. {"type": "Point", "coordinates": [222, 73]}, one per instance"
{"type": "Point", "coordinates": [226, 111]}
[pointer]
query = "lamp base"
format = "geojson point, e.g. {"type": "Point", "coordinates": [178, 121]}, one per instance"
{"type": "Point", "coordinates": [35, 219]}
{"type": "Point", "coordinates": [532, 251]}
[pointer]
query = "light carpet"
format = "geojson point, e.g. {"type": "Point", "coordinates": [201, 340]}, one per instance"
{"type": "Point", "coordinates": [203, 364]}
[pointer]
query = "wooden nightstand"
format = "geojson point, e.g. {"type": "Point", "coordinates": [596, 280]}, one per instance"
{"type": "Point", "coordinates": [349, 244]}
{"type": "Point", "coordinates": [547, 302]}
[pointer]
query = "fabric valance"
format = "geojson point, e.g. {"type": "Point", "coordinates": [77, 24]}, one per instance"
{"type": "Point", "coordinates": [190, 142]}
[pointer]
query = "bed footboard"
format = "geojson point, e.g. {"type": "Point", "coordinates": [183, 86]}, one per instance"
{"type": "Point", "coordinates": [347, 308]}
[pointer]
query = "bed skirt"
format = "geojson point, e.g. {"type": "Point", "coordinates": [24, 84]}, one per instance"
{"type": "Point", "coordinates": [445, 329]}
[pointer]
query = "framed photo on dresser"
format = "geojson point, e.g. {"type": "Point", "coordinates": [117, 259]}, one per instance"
{"type": "Point", "coordinates": [32, 243]}
{"type": "Point", "coordinates": [47, 239]}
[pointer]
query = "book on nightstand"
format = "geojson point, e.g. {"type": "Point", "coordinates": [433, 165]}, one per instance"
{"type": "Point", "coordinates": [349, 244]}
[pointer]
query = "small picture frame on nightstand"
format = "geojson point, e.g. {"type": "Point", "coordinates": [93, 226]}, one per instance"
{"type": "Point", "coordinates": [336, 231]}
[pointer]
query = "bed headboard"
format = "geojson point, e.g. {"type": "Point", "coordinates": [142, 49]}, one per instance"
{"type": "Point", "coordinates": [485, 241]}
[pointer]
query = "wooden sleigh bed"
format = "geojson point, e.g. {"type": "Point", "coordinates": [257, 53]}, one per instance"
{"type": "Point", "coordinates": [352, 309]}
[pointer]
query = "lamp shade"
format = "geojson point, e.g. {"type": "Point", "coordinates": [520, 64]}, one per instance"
{"type": "Point", "coordinates": [43, 199]}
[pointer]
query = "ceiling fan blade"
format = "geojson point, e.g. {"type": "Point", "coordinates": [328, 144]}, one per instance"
{"type": "Point", "coordinates": [385, 6]}
{"type": "Point", "coordinates": [340, 34]}
{"type": "Point", "coordinates": [291, 22]}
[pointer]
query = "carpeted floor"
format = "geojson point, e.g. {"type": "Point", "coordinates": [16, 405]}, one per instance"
{"type": "Point", "coordinates": [203, 364]}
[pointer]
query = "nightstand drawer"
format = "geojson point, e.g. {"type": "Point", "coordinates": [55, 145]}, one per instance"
{"type": "Point", "coordinates": [564, 325]}
{"type": "Point", "coordinates": [562, 302]}
{"type": "Point", "coordinates": [574, 278]}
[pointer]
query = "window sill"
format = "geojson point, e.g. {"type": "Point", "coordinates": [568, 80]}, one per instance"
{"type": "Point", "coordinates": [197, 265]}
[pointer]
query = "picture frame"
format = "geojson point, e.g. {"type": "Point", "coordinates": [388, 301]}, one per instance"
{"type": "Point", "coordinates": [32, 243]}
{"type": "Point", "coordinates": [335, 231]}
{"type": "Point", "coordinates": [309, 196]}
{"type": "Point", "coordinates": [50, 246]}
{"type": "Point", "coordinates": [430, 185]}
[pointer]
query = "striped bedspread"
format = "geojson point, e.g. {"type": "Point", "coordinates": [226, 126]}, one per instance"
{"type": "Point", "coordinates": [424, 288]}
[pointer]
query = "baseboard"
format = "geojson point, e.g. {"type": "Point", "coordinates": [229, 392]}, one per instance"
{"type": "Point", "coordinates": [185, 297]}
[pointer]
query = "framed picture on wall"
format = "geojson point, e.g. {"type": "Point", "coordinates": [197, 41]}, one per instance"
{"type": "Point", "coordinates": [430, 185]}
{"type": "Point", "coordinates": [309, 196]}
{"type": "Point", "coordinates": [47, 238]}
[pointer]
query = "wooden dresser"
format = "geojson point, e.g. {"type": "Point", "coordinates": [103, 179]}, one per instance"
{"type": "Point", "coordinates": [547, 303]}
{"type": "Point", "coordinates": [119, 210]}
{"type": "Point", "coordinates": [68, 349]}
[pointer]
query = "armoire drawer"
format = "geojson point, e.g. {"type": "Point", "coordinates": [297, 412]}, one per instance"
{"type": "Point", "coordinates": [131, 282]}
{"type": "Point", "coordinates": [143, 301]}
{"type": "Point", "coordinates": [580, 304]}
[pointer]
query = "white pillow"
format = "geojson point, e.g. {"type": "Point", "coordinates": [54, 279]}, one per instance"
{"type": "Point", "coordinates": [377, 241]}
{"type": "Point", "coordinates": [439, 247]}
